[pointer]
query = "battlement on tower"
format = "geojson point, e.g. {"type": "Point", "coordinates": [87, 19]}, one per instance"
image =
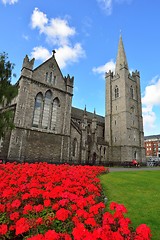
{"type": "Point", "coordinates": [28, 63]}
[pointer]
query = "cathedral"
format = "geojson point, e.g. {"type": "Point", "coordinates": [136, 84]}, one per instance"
{"type": "Point", "coordinates": [48, 128]}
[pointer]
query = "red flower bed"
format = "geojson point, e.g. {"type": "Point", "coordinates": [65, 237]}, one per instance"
{"type": "Point", "coordinates": [46, 202]}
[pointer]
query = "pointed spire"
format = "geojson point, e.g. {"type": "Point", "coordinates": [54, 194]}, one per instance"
{"type": "Point", "coordinates": [94, 113]}
{"type": "Point", "coordinates": [121, 57]}
{"type": "Point", "coordinates": [85, 111]}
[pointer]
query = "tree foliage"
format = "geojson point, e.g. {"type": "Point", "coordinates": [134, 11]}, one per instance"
{"type": "Point", "coordinates": [7, 93]}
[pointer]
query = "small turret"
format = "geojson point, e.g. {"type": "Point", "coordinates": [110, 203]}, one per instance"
{"type": "Point", "coordinates": [27, 67]}
{"type": "Point", "coordinates": [94, 122]}
{"type": "Point", "coordinates": [84, 120]}
{"type": "Point", "coordinates": [69, 83]}
{"type": "Point", "coordinates": [85, 112]}
{"type": "Point", "coordinates": [109, 74]}
{"type": "Point", "coordinates": [136, 73]}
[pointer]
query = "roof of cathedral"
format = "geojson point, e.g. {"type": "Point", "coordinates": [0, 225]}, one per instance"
{"type": "Point", "coordinates": [121, 56]}
{"type": "Point", "coordinates": [79, 113]}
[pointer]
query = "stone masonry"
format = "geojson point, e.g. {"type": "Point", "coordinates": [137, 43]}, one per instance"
{"type": "Point", "coordinates": [48, 128]}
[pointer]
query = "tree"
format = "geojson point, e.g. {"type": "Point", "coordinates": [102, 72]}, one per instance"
{"type": "Point", "coordinates": [7, 93]}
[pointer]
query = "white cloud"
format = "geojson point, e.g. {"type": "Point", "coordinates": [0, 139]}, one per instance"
{"type": "Point", "coordinates": [64, 55]}
{"type": "Point", "coordinates": [25, 37]}
{"type": "Point", "coordinates": [149, 101]}
{"type": "Point", "coordinates": [105, 68]}
{"type": "Point", "coordinates": [122, 1]}
{"type": "Point", "coordinates": [149, 118]}
{"type": "Point", "coordinates": [67, 55]}
{"type": "Point", "coordinates": [152, 93]}
{"type": "Point", "coordinates": [9, 2]}
{"type": "Point", "coordinates": [58, 34]}
{"type": "Point", "coordinates": [86, 26]}
{"type": "Point", "coordinates": [40, 53]}
{"type": "Point", "coordinates": [56, 30]}
{"type": "Point", "coordinates": [107, 5]}
{"type": "Point", "coordinates": [109, 66]}
{"type": "Point", "coordinates": [38, 19]}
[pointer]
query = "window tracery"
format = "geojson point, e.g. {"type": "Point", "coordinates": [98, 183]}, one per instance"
{"type": "Point", "coordinates": [46, 111]}
{"type": "Point", "coordinates": [37, 109]}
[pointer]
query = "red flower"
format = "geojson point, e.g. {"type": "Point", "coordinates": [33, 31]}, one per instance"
{"type": "Point", "coordinates": [50, 193]}
{"type": "Point", "coordinates": [47, 203]}
{"type": "Point", "coordinates": [38, 208]}
{"type": "Point", "coordinates": [62, 214]}
{"type": "Point", "coordinates": [91, 221]}
{"type": "Point", "coordinates": [39, 220]}
{"type": "Point", "coordinates": [3, 229]}
{"type": "Point", "coordinates": [143, 231]}
{"type": "Point", "coordinates": [14, 216]}
{"type": "Point", "coordinates": [27, 208]}
{"type": "Point", "coordinates": [22, 226]}
{"type": "Point", "coordinates": [37, 237]}
{"type": "Point", "coordinates": [63, 202]}
{"type": "Point", "coordinates": [2, 208]}
{"type": "Point", "coordinates": [108, 219]}
{"type": "Point", "coordinates": [55, 206]}
{"type": "Point", "coordinates": [12, 227]}
{"type": "Point", "coordinates": [25, 196]}
{"type": "Point", "coordinates": [16, 203]}
{"type": "Point", "coordinates": [7, 193]}
{"type": "Point", "coordinates": [121, 208]}
{"type": "Point", "coordinates": [51, 234]}
{"type": "Point", "coordinates": [113, 205]}
{"type": "Point", "coordinates": [74, 207]}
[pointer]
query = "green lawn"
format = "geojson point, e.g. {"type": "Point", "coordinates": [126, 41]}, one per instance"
{"type": "Point", "coordinates": [139, 191]}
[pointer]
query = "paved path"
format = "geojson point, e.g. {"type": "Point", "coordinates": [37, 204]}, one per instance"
{"type": "Point", "coordinates": [123, 169]}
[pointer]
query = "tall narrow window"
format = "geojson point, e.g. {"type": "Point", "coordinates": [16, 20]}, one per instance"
{"type": "Point", "coordinates": [46, 76]}
{"type": "Point", "coordinates": [75, 145]}
{"type": "Point", "coordinates": [100, 150]}
{"type": "Point", "coordinates": [131, 92]}
{"type": "Point", "coordinates": [46, 110]}
{"type": "Point", "coordinates": [50, 77]}
{"type": "Point", "coordinates": [104, 151]}
{"type": "Point", "coordinates": [37, 109]}
{"type": "Point", "coordinates": [54, 80]}
{"type": "Point", "coordinates": [54, 113]}
{"type": "Point", "coordinates": [116, 91]}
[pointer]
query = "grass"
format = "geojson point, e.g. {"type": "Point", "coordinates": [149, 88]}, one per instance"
{"type": "Point", "coordinates": [139, 191]}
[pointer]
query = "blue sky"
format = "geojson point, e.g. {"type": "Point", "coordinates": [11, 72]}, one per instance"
{"type": "Point", "coordinates": [85, 35]}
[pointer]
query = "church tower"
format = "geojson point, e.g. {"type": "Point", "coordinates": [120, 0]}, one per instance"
{"type": "Point", "coordinates": [123, 117]}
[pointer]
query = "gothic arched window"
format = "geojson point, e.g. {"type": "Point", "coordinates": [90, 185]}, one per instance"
{"type": "Point", "coordinates": [50, 77]}
{"type": "Point", "coordinates": [37, 109]}
{"type": "Point", "coordinates": [55, 107]}
{"type": "Point", "coordinates": [46, 76]}
{"type": "Point", "coordinates": [104, 151]}
{"type": "Point", "coordinates": [116, 91]}
{"type": "Point", "coordinates": [100, 150]}
{"type": "Point", "coordinates": [74, 147]}
{"type": "Point", "coordinates": [46, 110]}
{"type": "Point", "coordinates": [131, 92]}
